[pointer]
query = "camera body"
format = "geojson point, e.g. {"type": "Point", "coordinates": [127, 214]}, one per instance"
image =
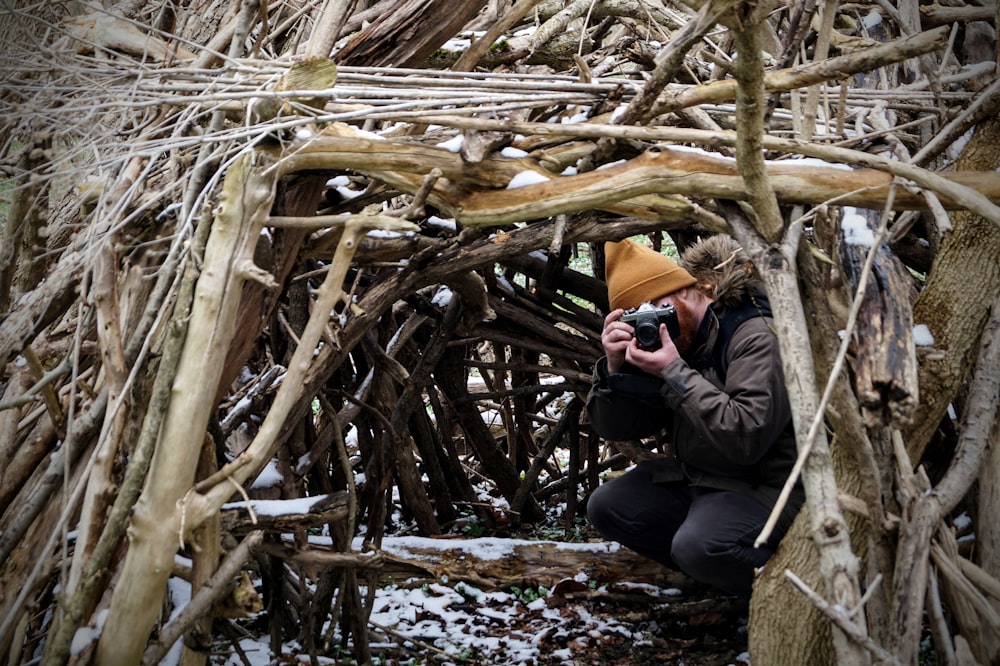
{"type": "Point", "coordinates": [645, 321]}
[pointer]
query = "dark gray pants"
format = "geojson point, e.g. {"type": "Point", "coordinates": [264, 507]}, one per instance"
{"type": "Point", "coordinates": [708, 534]}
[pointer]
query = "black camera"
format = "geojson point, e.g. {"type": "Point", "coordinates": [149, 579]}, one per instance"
{"type": "Point", "coordinates": [645, 321]}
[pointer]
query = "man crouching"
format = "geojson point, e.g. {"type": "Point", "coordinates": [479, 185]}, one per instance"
{"type": "Point", "coordinates": [716, 387]}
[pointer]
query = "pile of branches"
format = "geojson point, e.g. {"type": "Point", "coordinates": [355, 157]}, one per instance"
{"type": "Point", "coordinates": [246, 237]}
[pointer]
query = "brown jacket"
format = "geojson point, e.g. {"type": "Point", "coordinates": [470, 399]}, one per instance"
{"type": "Point", "coordinates": [731, 432]}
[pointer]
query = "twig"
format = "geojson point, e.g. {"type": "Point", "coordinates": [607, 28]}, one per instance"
{"type": "Point", "coordinates": [408, 639]}
{"type": "Point", "coordinates": [43, 381]}
{"type": "Point", "coordinates": [201, 602]}
{"type": "Point", "coordinates": [843, 621]}
{"type": "Point", "coordinates": [246, 500]}
{"type": "Point", "coordinates": [416, 207]}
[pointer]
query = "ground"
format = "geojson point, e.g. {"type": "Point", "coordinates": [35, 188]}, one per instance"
{"type": "Point", "coordinates": [436, 624]}
{"type": "Point", "coordinates": [574, 622]}
{"type": "Point", "coordinates": [577, 622]}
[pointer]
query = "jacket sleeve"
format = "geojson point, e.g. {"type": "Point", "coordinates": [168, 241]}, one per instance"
{"type": "Point", "coordinates": [735, 425]}
{"type": "Point", "coordinates": [618, 416]}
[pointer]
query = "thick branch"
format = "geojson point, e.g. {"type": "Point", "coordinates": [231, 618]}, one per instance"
{"type": "Point", "coordinates": [750, 107]}
{"type": "Point", "coordinates": [643, 186]}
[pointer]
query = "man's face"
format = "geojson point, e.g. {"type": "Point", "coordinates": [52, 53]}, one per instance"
{"type": "Point", "coordinates": [687, 318]}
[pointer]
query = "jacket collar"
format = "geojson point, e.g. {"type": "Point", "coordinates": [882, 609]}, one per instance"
{"type": "Point", "coordinates": [700, 355]}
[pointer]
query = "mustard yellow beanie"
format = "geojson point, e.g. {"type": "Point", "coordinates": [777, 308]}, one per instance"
{"type": "Point", "coordinates": [636, 274]}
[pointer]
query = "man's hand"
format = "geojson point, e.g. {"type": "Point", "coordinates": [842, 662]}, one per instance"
{"type": "Point", "coordinates": [615, 338]}
{"type": "Point", "coordinates": [620, 346]}
{"type": "Point", "coordinates": [651, 362]}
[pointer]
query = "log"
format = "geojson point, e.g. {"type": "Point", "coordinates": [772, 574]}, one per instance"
{"type": "Point", "coordinates": [886, 362]}
{"type": "Point", "coordinates": [281, 516]}
{"type": "Point", "coordinates": [500, 563]}
{"type": "Point", "coordinates": [936, 14]}
{"type": "Point", "coordinates": [488, 562]}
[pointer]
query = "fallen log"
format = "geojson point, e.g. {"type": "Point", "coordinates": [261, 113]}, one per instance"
{"type": "Point", "coordinates": [500, 563]}
{"type": "Point", "coordinates": [487, 562]}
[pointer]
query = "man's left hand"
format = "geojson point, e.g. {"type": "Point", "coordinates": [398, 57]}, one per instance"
{"type": "Point", "coordinates": [653, 362]}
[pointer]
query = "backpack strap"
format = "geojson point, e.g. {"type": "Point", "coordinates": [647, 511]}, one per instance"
{"type": "Point", "coordinates": [755, 306]}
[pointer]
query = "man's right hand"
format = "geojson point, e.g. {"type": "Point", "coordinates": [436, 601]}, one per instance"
{"type": "Point", "coordinates": [615, 338]}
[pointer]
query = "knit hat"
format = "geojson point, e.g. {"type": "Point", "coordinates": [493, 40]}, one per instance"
{"type": "Point", "coordinates": [636, 274]}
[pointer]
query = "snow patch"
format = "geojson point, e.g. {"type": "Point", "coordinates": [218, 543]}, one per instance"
{"type": "Point", "coordinates": [453, 144]}
{"type": "Point", "coordinates": [922, 336]}
{"type": "Point", "coordinates": [525, 178]}
{"type": "Point", "coordinates": [855, 228]}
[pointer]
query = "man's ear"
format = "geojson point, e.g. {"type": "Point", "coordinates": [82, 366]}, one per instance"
{"type": "Point", "coordinates": [705, 287]}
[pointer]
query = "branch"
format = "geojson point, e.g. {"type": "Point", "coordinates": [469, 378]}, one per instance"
{"type": "Point", "coordinates": [201, 602]}
{"type": "Point", "coordinates": [328, 26]}
{"type": "Point", "coordinates": [843, 621]}
{"type": "Point", "coordinates": [641, 187]}
{"type": "Point", "coordinates": [619, 188]}
{"type": "Point", "coordinates": [43, 381]}
{"type": "Point", "coordinates": [750, 107]}
{"type": "Point", "coordinates": [831, 69]}
{"type": "Point", "coordinates": [481, 46]}
{"type": "Point", "coordinates": [206, 500]}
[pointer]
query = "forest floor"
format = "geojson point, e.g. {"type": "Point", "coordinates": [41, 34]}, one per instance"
{"type": "Point", "coordinates": [575, 622]}
{"type": "Point", "coordinates": [570, 625]}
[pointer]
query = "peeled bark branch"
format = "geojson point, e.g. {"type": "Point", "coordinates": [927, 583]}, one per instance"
{"type": "Point", "coordinates": [158, 524]}
{"type": "Point", "coordinates": [642, 186]}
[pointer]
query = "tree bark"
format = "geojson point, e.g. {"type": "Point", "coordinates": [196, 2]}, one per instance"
{"type": "Point", "coordinates": [525, 563]}
{"type": "Point", "coordinates": [407, 35]}
{"type": "Point", "coordinates": [954, 312]}
{"type": "Point", "coordinates": [886, 363]}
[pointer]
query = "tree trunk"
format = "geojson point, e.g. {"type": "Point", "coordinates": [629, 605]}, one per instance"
{"type": "Point", "coordinates": [953, 310]}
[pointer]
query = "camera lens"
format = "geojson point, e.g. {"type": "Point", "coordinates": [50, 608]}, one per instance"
{"type": "Point", "coordinates": [647, 333]}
